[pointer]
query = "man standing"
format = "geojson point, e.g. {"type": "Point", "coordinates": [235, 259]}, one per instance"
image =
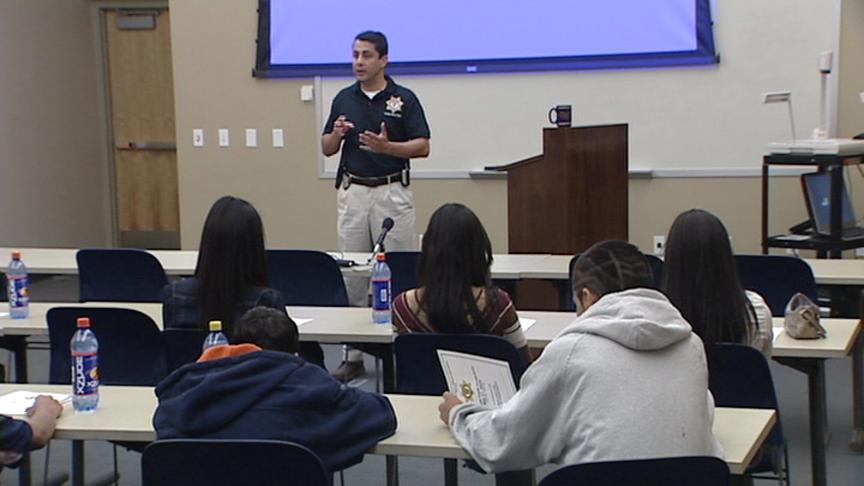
{"type": "Point", "coordinates": [379, 125]}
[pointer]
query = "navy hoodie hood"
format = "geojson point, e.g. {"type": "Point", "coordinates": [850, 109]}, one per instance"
{"type": "Point", "coordinates": [273, 395]}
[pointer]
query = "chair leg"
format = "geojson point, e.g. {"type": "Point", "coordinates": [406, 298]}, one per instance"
{"type": "Point", "coordinates": [451, 472]}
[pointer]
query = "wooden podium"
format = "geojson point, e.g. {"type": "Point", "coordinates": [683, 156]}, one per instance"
{"type": "Point", "coordinates": [570, 197]}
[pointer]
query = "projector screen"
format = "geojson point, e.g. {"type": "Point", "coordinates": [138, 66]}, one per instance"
{"type": "Point", "coordinates": [302, 38]}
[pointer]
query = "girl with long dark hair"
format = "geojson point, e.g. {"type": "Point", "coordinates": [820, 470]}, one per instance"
{"type": "Point", "coordinates": [231, 273]}
{"type": "Point", "coordinates": [701, 279]}
{"type": "Point", "coordinates": [456, 293]}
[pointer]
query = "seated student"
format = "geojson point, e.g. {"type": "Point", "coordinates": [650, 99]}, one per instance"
{"type": "Point", "coordinates": [230, 275]}
{"type": "Point", "coordinates": [260, 389]}
{"type": "Point", "coordinates": [626, 380]}
{"type": "Point", "coordinates": [456, 294]}
{"type": "Point", "coordinates": [701, 279]}
{"type": "Point", "coordinates": [18, 437]}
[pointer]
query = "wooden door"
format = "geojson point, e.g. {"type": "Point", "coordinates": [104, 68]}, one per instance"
{"type": "Point", "coordinates": [141, 95]}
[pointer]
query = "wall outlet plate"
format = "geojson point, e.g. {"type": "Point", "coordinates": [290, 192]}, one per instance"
{"type": "Point", "coordinates": [197, 137]}
{"type": "Point", "coordinates": [224, 140]}
{"type": "Point", "coordinates": [659, 245]}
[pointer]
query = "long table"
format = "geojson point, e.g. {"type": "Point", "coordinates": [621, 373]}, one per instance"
{"type": "Point", "coordinates": [125, 414]}
{"type": "Point", "coordinates": [61, 261]}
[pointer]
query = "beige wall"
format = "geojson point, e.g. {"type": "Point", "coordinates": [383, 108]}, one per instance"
{"type": "Point", "coordinates": [53, 187]}
{"type": "Point", "coordinates": [213, 48]}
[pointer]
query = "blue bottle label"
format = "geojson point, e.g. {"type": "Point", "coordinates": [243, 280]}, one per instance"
{"type": "Point", "coordinates": [19, 294]}
{"type": "Point", "coordinates": [85, 374]}
{"type": "Point", "coordinates": [381, 295]}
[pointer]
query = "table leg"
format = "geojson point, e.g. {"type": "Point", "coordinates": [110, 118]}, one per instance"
{"type": "Point", "coordinates": [77, 463]}
{"type": "Point", "coordinates": [18, 346]}
{"type": "Point", "coordinates": [392, 470]}
{"type": "Point", "coordinates": [815, 371]}
{"type": "Point", "coordinates": [857, 442]}
{"type": "Point", "coordinates": [451, 472]}
{"type": "Point", "coordinates": [389, 370]}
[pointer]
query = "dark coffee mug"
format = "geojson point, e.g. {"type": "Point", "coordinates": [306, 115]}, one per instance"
{"type": "Point", "coordinates": [563, 115]}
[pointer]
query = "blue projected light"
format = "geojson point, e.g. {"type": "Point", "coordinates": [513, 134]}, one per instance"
{"type": "Point", "coordinates": [298, 38]}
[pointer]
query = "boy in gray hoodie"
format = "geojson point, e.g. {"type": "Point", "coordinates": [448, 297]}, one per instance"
{"type": "Point", "coordinates": [626, 380]}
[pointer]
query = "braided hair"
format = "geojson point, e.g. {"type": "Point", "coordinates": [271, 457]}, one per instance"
{"type": "Point", "coordinates": [610, 266]}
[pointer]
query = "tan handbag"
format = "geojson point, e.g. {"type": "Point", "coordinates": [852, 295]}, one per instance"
{"type": "Point", "coordinates": [801, 319]}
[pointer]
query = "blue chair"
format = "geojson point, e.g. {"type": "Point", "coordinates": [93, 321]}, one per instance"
{"type": "Point", "coordinates": [119, 275]}
{"type": "Point", "coordinates": [418, 370]}
{"type": "Point", "coordinates": [777, 278]}
{"type": "Point", "coordinates": [231, 462]}
{"type": "Point", "coordinates": [306, 277]}
{"type": "Point", "coordinates": [182, 346]}
{"type": "Point", "coordinates": [404, 268]}
{"type": "Point", "coordinates": [673, 471]}
{"type": "Point", "coordinates": [739, 376]}
{"type": "Point", "coordinates": [131, 351]}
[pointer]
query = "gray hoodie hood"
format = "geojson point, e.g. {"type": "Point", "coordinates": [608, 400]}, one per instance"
{"type": "Point", "coordinates": [641, 319]}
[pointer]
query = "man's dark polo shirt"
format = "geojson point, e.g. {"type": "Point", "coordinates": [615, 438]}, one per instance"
{"type": "Point", "coordinates": [396, 106]}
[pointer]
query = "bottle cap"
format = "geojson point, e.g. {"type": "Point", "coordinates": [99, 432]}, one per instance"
{"type": "Point", "coordinates": [215, 326]}
{"type": "Point", "coordinates": [16, 255]}
{"type": "Point", "coordinates": [84, 322]}
{"type": "Point", "coordinates": [381, 257]}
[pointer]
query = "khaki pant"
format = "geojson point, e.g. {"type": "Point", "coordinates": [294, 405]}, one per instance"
{"type": "Point", "coordinates": [361, 212]}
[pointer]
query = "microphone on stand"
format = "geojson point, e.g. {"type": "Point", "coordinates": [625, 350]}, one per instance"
{"type": "Point", "coordinates": [386, 226]}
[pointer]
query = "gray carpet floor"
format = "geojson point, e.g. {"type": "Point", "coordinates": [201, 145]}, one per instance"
{"type": "Point", "coordinates": [845, 468]}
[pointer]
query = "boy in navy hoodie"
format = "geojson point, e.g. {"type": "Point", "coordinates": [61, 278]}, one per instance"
{"type": "Point", "coordinates": [258, 388]}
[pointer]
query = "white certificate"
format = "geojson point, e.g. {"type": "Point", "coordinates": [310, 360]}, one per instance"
{"type": "Point", "coordinates": [17, 403]}
{"type": "Point", "coordinates": [476, 379]}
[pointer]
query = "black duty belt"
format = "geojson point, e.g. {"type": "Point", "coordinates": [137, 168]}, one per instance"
{"type": "Point", "coordinates": [374, 181]}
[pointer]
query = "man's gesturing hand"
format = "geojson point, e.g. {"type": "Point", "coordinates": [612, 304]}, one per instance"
{"type": "Point", "coordinates": [375, 142]}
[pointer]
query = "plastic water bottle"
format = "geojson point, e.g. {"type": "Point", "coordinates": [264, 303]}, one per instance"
{"type": "Point", "coordinates": [215, 338]}
{"type": "Point", "coordinates": [18, 286]}
{"type": "Point", "coordinates": [381, 291]}
{"type": "Point", "coordinates": [85, 368]}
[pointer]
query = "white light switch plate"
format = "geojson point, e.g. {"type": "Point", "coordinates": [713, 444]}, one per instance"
{"type": "Point", "coordinates": [251, 137]}
{"type": "Point", "coordinates": [278, 138]}
{"type": "Point", "coordinates": [224, 141]}
{"type": "Point", "coordinates": [307, 92]}
{"type": "Point", "coordinates": [197, 137]}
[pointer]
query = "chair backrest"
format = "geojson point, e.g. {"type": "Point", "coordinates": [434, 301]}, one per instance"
{"type": "Point", "coordinates": [404, 269]}
{"type": "Point", "coordinates": [777, 278]}
{"type": "Point", "coordinates": [182, 346]}
{"type": "Point", "coordinates": [119, 275]}
{"type": "Point", "coordinates": [672, 471]}
{"type": "Point", "coordinates": [306, 277]}
{"type": "Point", "coordinates": [131, 350]}
{"type": "Point", "coordinates": [739, 376]}
{"type": "Point", "coordinates": [231, 462]}
{"type": "Point", "coordinates": [418, 370]}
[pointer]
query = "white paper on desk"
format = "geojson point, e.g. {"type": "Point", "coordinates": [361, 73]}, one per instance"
{"type": "Point", "coordinates": [484, 381]}
{"type": "Point", "coordinates": [17, 403]}
{"type": "Point", "coordinates": [300, 320]}
{"type": "Point", "coordinates": [526, 323]}
{"type": "Point", "coordinates": [777, 332]}
{"type": "Point", "coordinates": [4, 314]}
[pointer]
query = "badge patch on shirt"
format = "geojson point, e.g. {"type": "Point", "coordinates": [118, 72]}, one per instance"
{"type": "Point", "coordinates": [394, 106]}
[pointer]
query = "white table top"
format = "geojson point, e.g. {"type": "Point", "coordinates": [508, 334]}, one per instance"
{"type": "Point", "coordinates": [61, 261]}
{"type": "Point", "coordinates": [125, 413]}
{"type": "Point", "coordinates": [354, 324]}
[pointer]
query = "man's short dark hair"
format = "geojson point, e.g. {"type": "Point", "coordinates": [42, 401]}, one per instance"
{"type": "Point", "coordinates": [375, 38]}
{"type": "Point", "coordinates": [268, 329]}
